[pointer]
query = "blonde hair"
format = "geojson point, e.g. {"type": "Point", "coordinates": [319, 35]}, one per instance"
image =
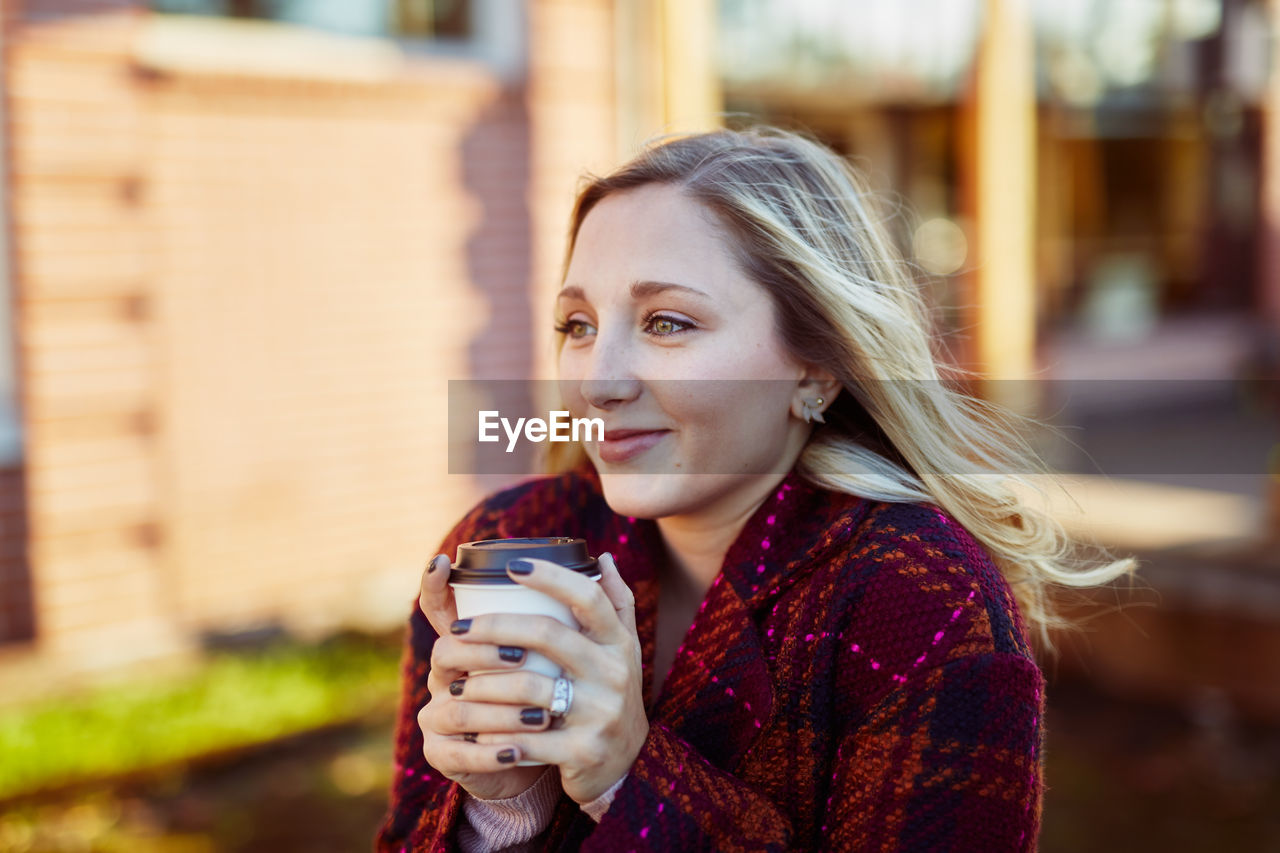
{"type": "Point", "coordinates": [803, 225]}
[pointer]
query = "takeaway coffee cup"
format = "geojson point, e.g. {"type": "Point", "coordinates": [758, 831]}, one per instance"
{"type": "Point", "coordinates": [481, 584]}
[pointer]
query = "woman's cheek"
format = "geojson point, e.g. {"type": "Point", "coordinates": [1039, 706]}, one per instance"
{"type": "Point", "coordinates": [717, 438]}
{"type": "Point", "coordinates": [757, 433]}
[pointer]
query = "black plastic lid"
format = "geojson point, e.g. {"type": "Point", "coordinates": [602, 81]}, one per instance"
{"type": "Point", "coordinates": [485, 561]}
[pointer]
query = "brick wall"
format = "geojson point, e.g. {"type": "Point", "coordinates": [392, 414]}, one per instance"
{"type": "Point", "coordinates": [84, 327]}
{"type": "Point", "coordinates": [321, 283]}
{"type": "Point", "coordinates": [239, 300]}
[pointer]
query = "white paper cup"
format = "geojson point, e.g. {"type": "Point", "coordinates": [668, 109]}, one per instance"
{"type": "Point", "coordinates": [482, 586]}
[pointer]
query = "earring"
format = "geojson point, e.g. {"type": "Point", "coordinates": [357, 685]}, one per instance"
{"type": "Point", "coordinates": [813, 411]}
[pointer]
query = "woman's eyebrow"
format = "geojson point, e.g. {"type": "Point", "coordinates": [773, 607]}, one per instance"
{"type": "Point", "coordinates": [639, 290]}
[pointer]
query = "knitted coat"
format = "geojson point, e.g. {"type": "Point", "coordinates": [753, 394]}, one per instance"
{"type": "Point", "coordinates": [858, 677]}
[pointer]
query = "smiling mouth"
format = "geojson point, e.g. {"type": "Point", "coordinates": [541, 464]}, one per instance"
{"type": "Point", "coordinates": [625, 444]}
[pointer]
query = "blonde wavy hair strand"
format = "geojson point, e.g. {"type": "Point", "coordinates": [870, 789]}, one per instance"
{"type": "Point", "coordinates": [804, 225]}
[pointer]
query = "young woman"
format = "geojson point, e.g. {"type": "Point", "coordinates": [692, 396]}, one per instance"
{"type": "Point", "coordinates": [819, 595]}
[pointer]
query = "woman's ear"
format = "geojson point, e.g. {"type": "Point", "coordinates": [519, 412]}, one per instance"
{"type": "Point", "coordinates": [815, 392]}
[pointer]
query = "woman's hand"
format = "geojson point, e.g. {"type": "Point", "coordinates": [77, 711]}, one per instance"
{"type": "Point", "coordinates": [598, 740]}
{"type": "Point", "coordinates": [451, 720]}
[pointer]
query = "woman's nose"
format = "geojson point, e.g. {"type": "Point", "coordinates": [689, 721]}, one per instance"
{"type": "Point", "coordinates": [610, 393]}
{"type": "Point", "coordinates": [609, 379]}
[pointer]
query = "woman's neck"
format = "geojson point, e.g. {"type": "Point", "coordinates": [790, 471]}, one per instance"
{"type": "Point", "coordinates": [696, 544]}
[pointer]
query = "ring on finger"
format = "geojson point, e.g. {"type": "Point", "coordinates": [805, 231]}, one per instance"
{"type": "Point", "coordinates": [561, 698]}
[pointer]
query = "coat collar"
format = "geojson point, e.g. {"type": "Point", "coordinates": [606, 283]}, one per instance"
{"type": "Point", "coordinates": [719, 693]}
{"type": "Point", "coordinates": [796, 525]}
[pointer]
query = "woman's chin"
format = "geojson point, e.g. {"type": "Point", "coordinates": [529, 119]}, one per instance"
{"type": "Point", "coordinates": [663, 495]}
{"type": "Point", "coordinates": [642, 495]}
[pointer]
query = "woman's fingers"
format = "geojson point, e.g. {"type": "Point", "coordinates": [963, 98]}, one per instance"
{"type": "Point", "coordinates": [454, 757]}
{"type": "Point", "coordinates": [575, 653]}
{"type": "Point", "coordinates": [565, 747]}
{"type": "Point", "coordinates": [511, 688]}
{"type": "Point", "coordinates": [618, 593]}
{"type": "Point", "coordinates": [583, 596]}
{"type": "Point", "coordinates": [449, 716]}
{"type": "Point", "coordinates": [435, 599]}
{"type": "Point", "coordinates": [439, 679]}
{"type": "Point", "coordinates": [452, 657]}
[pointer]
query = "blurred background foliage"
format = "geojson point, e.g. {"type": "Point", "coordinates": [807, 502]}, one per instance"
{"type": "Point", "coordinates": [234, 700]}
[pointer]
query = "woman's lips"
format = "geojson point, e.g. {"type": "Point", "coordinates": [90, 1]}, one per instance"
{"type": "Point", "coordinates": [622, 445]}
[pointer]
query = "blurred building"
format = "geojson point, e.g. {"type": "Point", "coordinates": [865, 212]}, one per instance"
{"type": "Point", "coordinates": [1147, 120]}
{"type": "Point", "coordinates": [248, 245]}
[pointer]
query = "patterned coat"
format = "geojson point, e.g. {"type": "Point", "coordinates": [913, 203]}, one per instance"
{"type": "Point", "coordinates": [857, 678]}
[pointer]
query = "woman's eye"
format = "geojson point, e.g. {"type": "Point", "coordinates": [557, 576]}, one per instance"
{"type": "Point", "coordinates": [662, 325]}
{"type": "Point", "coordinates": [575, 328]}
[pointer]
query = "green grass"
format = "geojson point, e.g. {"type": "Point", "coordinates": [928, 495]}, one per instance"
{"type": "Point", "coordinates": [232, 700]}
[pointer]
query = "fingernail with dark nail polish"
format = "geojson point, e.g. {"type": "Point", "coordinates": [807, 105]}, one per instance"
{"type": "Point", "coordinates": [462, 626]}
{"type": "Point", "coordinates": [455, 687]}
{"type": "Point", "coordinates": [507, 756]}
{"type": "Point", "coordinates": [511, 654]}
{"type": "Point", "coordinates": [469, 737]}
{"type": "Point", "coordinates": [532, 716]}
{"type": "Point", "coordinates": [434, 564]}
{"type": "Point", "coordinates": [520, 567]}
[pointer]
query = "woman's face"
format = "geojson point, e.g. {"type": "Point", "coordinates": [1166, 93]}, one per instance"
{"type": "Point", "coordinates": [668, 342]}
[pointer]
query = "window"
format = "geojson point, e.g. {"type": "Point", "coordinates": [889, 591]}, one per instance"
{"type": "Point", "coordinates": [450, 20]}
